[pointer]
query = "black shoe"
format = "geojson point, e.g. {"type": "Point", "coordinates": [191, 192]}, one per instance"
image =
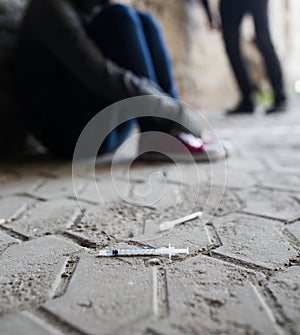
{"type": "Point", "coordinates": [278, 106]}
{"type": "Point", "coordinates": [244, 107]}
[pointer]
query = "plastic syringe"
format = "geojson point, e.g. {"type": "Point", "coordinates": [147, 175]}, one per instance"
{"type": "Point", "coordinates": [169, 251]}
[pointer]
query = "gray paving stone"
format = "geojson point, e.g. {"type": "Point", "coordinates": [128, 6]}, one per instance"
{"type": "Point", "coordinates": [5, 241]}
{"type": "Point", "coordinates": [31, 271]}
{"type": "Point", "coordinates": [187, 174]}
{"type": "Point", "coordinates": [118, 220]}
{"type": "Point", "coordinates": [273, 204]}
{"type": "Point", "coordinates": [194, 235]}
{"type": "Point", "coordinates": [245, 165]}
{"type": "Point", "coordinates": [54, 188]}
{"type": "Point", "coordinates": [20, 185]}
{"type": "Point", "coordinates": [126, 221]}
{"type": "Point", "coordinates": [294, 230]}
{"type": "Point", "coordinates": [46, 218]}
{"type": "Point", "coordinates": [23, 324]}
{"type": "Point", "coordinates": [207, 296]}
{"type": "Point", "coordinates": [286, 289]}
{"type": "Point", "coordinates": [155, 195]}
{"type": "Point", "coordinates": [105, 191]}
{"type": "Point", "coordinates": [239, 179]}
{"type": "Point", "coordinates": [11, 207]}
{"type": "Point", "coordinates": [284, 160]}
{"type": "Point", "coordinates": [106, 296]}
{"type": "Point", "coordinates": [253, 240]}
{"type": "Point", "coordinates": [280, 180]}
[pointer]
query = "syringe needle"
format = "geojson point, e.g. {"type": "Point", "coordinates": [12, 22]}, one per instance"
{"type": "Point", "coordinates": [169, 251]}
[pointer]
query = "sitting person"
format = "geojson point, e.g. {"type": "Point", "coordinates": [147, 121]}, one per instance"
{"type": "Point", "coordinates": [76, 57]}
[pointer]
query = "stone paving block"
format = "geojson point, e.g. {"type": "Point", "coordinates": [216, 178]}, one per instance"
{"type": "Point", "coordinates": [239, 179]}
{"type": "Point", "coordinates": [285, 287]}
{"type": "Point", "coordinates": [294, 230]}
{"type": "Point", "coordinates": [117, 220]}
{"type": "Point", "coordinates": [20, 185]}
{"type": "Point", "coordinates": [105, 190]}
{"type": "Point", "coordinates": [280, 180]}
{"type": "Point", "coordinates": [5, 241]}
{"type": "Point", "coordinates": [188, 174]}
{"type": "Point", "coordinates": [126, 221]}
{"type": "Point", "coordinates": [207, 296]}
{"type": "Point", "coordinates": [211, 199]}
{"type": "Point", "coordinates": [46, 218]}
{"type": "Point", "coordinates": [103, 226]}
{"type": "Point", "coordinates": [11, 207]}
{"type": "Point", "coordinates": [53, 188]}
{"type": "Point", "coordinates": [273, 204]}
{"type": "Point", "coordinates": [31, 271]}
{"type": "Point", "coordinates": [155, 195]}
{"type": "Point", "coordinates": [23, 324]}
{"type": "Point", "coordinates": [194, 235]}
{"type": "Point", "coordinates": [284, 160]}
{"type": "Point", "coordinates": [245, 165]}
{"type": "Point", "coordinates": [106, 296]}
{"type": "Point", "coordinates": [253, 240]}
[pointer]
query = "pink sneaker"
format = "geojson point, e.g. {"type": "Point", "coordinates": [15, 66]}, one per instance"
{"type": "Point", "coordinates": [160, 146]}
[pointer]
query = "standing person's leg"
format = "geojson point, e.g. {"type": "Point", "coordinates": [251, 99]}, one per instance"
{"type": "Point", "coordinates": [232, 13]}
{"type": "Point", "coordinates": [264, 42]}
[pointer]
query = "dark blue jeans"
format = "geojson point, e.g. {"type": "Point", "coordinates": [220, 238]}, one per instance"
{"type": "Point", "coordinates": [232, 14]}
{"type": "Point", "coordinates": [132, 40]}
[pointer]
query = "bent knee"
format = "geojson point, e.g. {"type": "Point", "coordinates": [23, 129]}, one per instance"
{"type": "Point", "coordinates": [119, 12]}
{"type": "Point", "coordinates": [149, 20]}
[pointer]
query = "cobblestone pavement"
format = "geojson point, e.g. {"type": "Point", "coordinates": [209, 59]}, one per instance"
{"type": "Point", "coordinates": [241, 277]}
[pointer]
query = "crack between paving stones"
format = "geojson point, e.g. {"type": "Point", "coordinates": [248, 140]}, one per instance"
{"type": "Point", "coordinates": [296, 199]}
{"type": "Point", "coordinates": [10, 232]}
{"type": "Point", "coordinates": [151, 331]}
{"type": "Point", "coordinates": [30, 196]}
{"type": "Point", "coordinates": [277, 189]}
{"type": "Point", "coordinates": [81, 241]}
{"type": "Point", "coordinates": [291, 239]}
{"type": "Point", "coordinates": [264, 216]}
{"type": "Point", "coordinates": [213, 235]}
{"type": "Point", "coordinates": [20, 212]}
{"type": "Point", "coordinates": [65, 277]}
{"type": "Point", "coordinates": [56, 322]}
{"type": "Point", "coordinates": [240, 263]}
{"type": "Point", "coordinates": [268, 310]}
{"type": "Point", "coordinates": [88, 202]}
{"type": "Point", "coordinates": [281, 319]}
{"type": "Point", "coordinates": [76, 218]}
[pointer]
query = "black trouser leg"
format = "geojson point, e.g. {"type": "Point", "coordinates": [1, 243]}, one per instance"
{"type": "Point", "coordinates": [232, 13]}
{"type": "Point", "coordinates": [265, 45]}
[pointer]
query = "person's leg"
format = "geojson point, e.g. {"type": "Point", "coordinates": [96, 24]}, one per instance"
{"type": "Point", "coordinates": [119, 32]}
{"type": "Point", "coordinates": [264, 42]}
{"type": "Point", "coordinates": [159, 53]}
{"type": "Point", "coordinates": [232, 13]}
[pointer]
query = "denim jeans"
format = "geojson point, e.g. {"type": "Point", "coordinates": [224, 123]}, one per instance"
{"type": "Point", "coordinates": [232, 14]}
{"type": "Point", "coordinates": [134, 41]}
